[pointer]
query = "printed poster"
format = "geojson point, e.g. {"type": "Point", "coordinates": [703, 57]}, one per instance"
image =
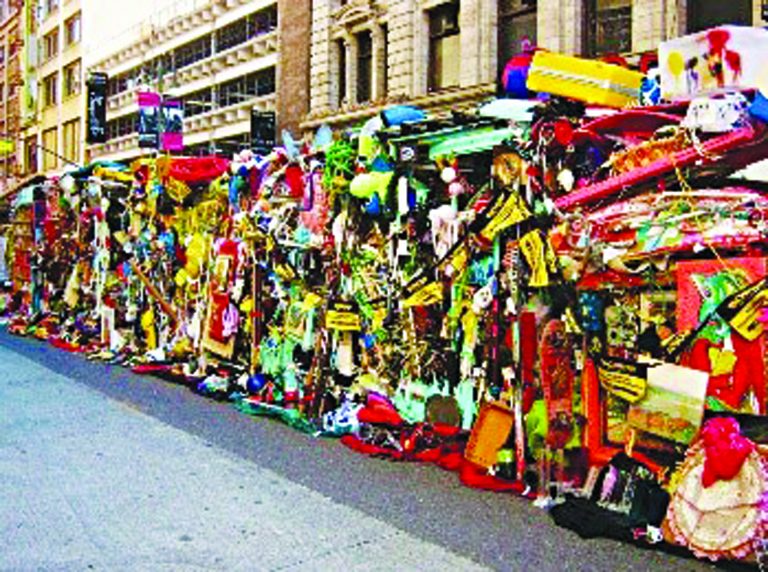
{"type": "Point", "coordinates": [172, 137]}
{"type": "Point", "coordinates": [149, 119]}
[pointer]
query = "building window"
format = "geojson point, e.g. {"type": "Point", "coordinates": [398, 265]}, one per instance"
{"type": "Point", "coordinates": [51, 44]}
{"type": "Point", "coordinates": [198, 102]}
{"type": "Point", "coordinates": [72, 140]}
{"type": "Point", "coordinates": [192, 52]}
{"type": "Point", "coordinates": [30, 155]}
{"type": "Point", "coordinates": [232, 35]}
{"type": "Point", "coordinates": [609, 27]}
{"type": "Point", "coordinates": [341, 52]}
{"type": "Point", "coordinates": [122, 126]}
{"type": "Point", "coordinates": [263, 21]}
{"type": "Point", "coordinates": [50, 89]}
{"type": "Point", "coordinates": [154, 70]}
{"type": "Point", "coordinates": [444, 46]}
{"type": "Point", "coordinates": [228, 146]}
{"type": "Point", "coordinates": [517, 27]}
{"type": "Point", "coordinates": [384, 61]}
{"type": "Point", "coordinates": [72, 30]}
{"type": "Point", "coordinates": [51, 6]}
{"type": "Point", "coordinates": [72, 79]}
{"type": "Point", "coordinates": [242, 30]}
{"type": "Point", "coordinates": [364, 66]}
{"type": "Point", "coordinates": [117, 84]}
{"type": "Point", "coordinates": [704, 14]}
{"type": "Point", "coordinates": [50, 149]}
{"type": "Point", "coordinates": [246, 87]}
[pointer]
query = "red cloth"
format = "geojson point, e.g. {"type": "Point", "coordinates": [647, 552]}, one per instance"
{"type": "Point", "coordinates": [451, 461]}
{"type": "Point", "coordinates": [428, 456]}
{"type": "Point", "coordinates": [379, 411]}
{"type": "Point", "coordinates": [64, 345]}
{"type": "Point", "coordinates": [748, 372]}
{"type": "Point", "coordinates": [149, 368]}
{"type": "Point", "coordinates": [356, 444]}
{"type": "Point", "coordinates": [294, 180]}
{"type": "Point", "coordinates": [477, 477]}
{"type": "Point", "coordinates": [198, 169]}
{"type": "Point", "coordinates": [446, 457]}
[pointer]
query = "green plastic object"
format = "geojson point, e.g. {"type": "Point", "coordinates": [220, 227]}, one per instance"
{"type": "Point", "coordinates": [291, 417]}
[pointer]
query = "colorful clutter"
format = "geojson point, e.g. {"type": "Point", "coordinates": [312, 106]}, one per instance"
{"type": "Point", "coordinates": [561, 298]}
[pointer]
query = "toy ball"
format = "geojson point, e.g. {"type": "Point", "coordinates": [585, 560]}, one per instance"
{"type": "Point", "coordinates": [256, 383]}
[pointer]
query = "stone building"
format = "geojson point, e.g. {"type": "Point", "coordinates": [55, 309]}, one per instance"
{"type": "Point", "coordinates": [447, 54]}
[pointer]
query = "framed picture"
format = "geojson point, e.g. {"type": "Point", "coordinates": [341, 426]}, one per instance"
{"type": "Point", "coordinates": [673, 407]}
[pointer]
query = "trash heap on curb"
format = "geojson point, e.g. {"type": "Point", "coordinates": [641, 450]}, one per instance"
{"type": "Point", "coordinates": [561, 295]}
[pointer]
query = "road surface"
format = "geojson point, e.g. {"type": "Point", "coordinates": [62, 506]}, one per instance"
{"type": "Point", "coordinates": [101, 469]}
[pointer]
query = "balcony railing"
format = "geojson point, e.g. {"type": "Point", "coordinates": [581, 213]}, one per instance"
{"type": "Point", "coordinates": [256, 47]}
{"type": "Point", "coordinates": [165, 25]}
{"type": "Point", "coordinates": [116, 145]}
{"type": "Point", "coordinates": [213, 119]}
{"type": "Point", "coordinates": [227, 115]}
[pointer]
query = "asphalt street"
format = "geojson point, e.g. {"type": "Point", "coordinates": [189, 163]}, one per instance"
{"type": "Point", "coordinates": [101, 469]}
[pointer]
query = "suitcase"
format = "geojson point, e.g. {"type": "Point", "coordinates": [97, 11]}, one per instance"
{"type": "Point", "coordinates": [722, 58]}
{"type": "Point", "coordinates": [590, 81]}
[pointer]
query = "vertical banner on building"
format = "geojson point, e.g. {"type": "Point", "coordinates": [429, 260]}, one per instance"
{"type": "Point", "coordinates": [97, 108]}
{"type": "Point", "coordinates": [263, 131]}
{"type": "Point", "coordinates": [149, 119]}
{"type": "Point", "coordinates": [172, 138]}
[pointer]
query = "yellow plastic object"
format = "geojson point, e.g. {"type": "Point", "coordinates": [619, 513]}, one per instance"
{"type": "Point", "coordinates": [586, 80]}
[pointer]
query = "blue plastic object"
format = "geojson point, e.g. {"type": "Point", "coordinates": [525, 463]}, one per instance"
{"type": "Point", "coordinates": [400, 114]}
{"type": "Point", "coordinates": [759, 107]}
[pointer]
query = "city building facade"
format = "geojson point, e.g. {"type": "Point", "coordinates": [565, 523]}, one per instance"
{"type": "Point", "coordinates": [222, 59]}
{"type": "Point", "coordinates": [447, 54]}
{"type": "Point", "coordinates": [310, 62]}
{"type": "Point", "coordinates": [11, 82]}
{"type": "Point", "coordinates": [53, 104]}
